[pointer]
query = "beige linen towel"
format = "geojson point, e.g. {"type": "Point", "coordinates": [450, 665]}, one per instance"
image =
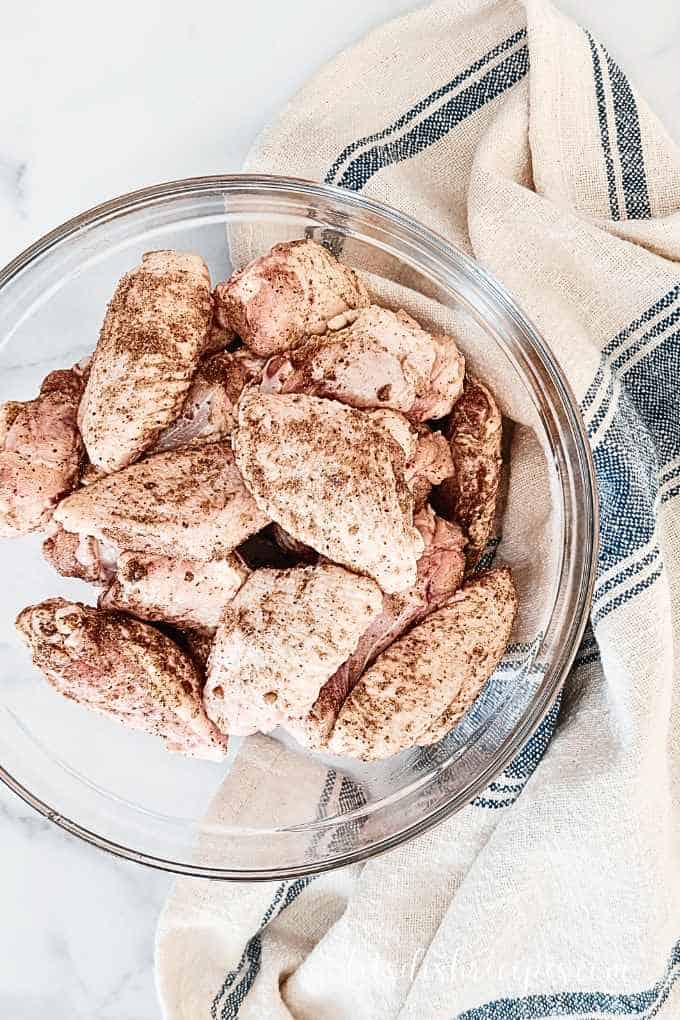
{"type": "Point", "coordinates": [510, 130]}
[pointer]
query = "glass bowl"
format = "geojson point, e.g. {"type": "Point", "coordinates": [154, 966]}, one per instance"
{"type": "Point", "coordinates": [271, 810]}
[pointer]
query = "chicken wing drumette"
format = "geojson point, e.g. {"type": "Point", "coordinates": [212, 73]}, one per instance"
{"type": "Point", "coordinates": [210, 406]}
{"type": "Point", "coordinates": [186, 593]}
{"type": "Point", "coordinates": [286, 295]}
{"type": "Point", "coordinates": [123, 668]}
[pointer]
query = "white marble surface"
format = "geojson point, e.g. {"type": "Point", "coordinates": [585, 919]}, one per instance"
{"type": "Point", "coordinates": [97, 101]}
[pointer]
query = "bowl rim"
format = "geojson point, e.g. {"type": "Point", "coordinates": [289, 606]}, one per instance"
{"type": "Point", "coordinates": [553, 682]}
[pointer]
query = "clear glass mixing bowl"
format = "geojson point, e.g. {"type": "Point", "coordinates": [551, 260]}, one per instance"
{"type": "Point", "coordinates": [282, 813]}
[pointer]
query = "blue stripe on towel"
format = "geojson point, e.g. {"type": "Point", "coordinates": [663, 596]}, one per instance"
{"type": "Point", "coordinates": [636, 441]}
{"type": "Point", "coordinates": [629, 143]}
{"type": "Point", "coordinates": [423, 104]}
{"type": "Point", "coordinates": [239, 981]}
{"type": "Point", "coordinates": [585, 1005]}
{"type": "Point", "coordinates": [251, 960]}
{"type": "Point", "coordinates": [619, 340]}
{"type": "Point", "coordinates": [604, 128]}
{"type": "Point", "coordinates": [437, 124]}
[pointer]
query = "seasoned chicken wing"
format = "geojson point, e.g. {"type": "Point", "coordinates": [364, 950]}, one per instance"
{"type": "Point", "coordinates": [383, 359]}
{"type": "Point", "coordinates": [153, 336]}
{"type": "Point", "coordinates": [186, 593]}
{"type": "Point", "coordinates": [333, 478]}
{"type": "Point", "coordinates": [280, 639]}
{"type": "Point", "coordinates": [41, 453]}
{"type": "Point", "coordinates": [209, 408]}
{"type": "Point", "coordinates": [423, 683]}
{"type": "Point", "coordinates": [291, 293]}
{"type": "Point", "coordinates": [189, 504]}
{"type": "Point", "coordinates": [440, 572]}
{"type": "Point", "coordinates": [469, 495]}
{"type": "Point", "coordinates": [123, 668]}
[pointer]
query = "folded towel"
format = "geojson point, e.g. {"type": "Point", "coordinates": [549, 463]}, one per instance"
{"type": "Point", "coordinates": [511, 131]}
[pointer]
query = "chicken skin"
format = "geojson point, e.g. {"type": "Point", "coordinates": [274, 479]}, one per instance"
{"type": "Point", "coordinates": [469, 496]}
{"type": "Point", "coordinates": [209, 408]}
{"type": "Point", "coordinates": [383, 359]}
{"type": "Point", "coordinates": [333, 478]}
{"type": "Point", "coordinates": [440, 573]}
{"type": "Point", "coordinates": [123, 668]}
{"type": "Point", "coordinates": [153, 336]}
{"type": "Point", "coordinates": [290, 293]}
{"type": "Point", "coordinates": [41, 453]}
{"type": "Point", "coordinates": [187, 504]}
{"type": "Point", "coordinates": [280, 639]}
{"type": "Point", "coordinates": [421, 685]}
{"type": "Point", "coordinates": [185, 593]}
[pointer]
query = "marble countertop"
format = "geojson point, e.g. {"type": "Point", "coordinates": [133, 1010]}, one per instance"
{"type": "Point", "coordinates": [95, 105]}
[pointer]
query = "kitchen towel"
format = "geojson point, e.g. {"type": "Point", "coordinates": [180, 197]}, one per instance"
{"type": "Point", "coordinates": [510, 130]}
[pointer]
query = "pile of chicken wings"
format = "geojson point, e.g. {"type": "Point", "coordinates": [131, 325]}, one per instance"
{"type": "Point", "coordinates": [281, 491]}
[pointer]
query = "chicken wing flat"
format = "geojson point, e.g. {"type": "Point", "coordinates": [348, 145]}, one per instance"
{"type": "Point", "coordinates": [153, 336]}
{"type": "Point", "coordinates": [423, 683]}
{"type": "Point", "coordinates": [333, 478]}
{"type": "Point", "coordinates": [123, 668]}
{"type": "Point", "coordinates": [280, 639]}
{"type": "Point", "coordinates": [186, 504]}
{"type": "Point", "coordinates": [41, 453]}
{"type": "Point", "coordinates": [383, 359]}
{"type": "Point", "coordinates": [209, 408]}
{"type": "Point", "coordinates": [291, 293]}
{"type": "Point", "coordinates": [440, 573]}
{"type": "Point", "coordinates": [469, 495]}
{"type": "Point", "coordinates": [186, 593]}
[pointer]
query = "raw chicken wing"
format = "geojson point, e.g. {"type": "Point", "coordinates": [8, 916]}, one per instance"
{"type": "Point", "coordinates": [280, 639]}
{"type": "Point", "coordinates": [279, 299]}
{"type": "Point", "coordinates": [40, 453]}
{"type": "Point", "coordinates": [186, 593]}
{"type": "Point", "coordinates": [440, 572]}
{"type": "Point", "coordinates": [333, 478]}
{"type": "Point", "coordinates": [189, 504]}
{"type": "Point", "coordinates": [153, 336]}
{"type": "Point", "coordinates": [383, 359]}
{"type": "Point", "coordinates": [469, 496]}
{"type": "Point", "coordinates": [123, 668]}
{"type": "Point", "coordinates": [423, 683]}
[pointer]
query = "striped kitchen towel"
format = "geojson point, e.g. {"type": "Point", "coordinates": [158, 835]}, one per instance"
{"type": "Point", "coordinates": [512, 131]}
